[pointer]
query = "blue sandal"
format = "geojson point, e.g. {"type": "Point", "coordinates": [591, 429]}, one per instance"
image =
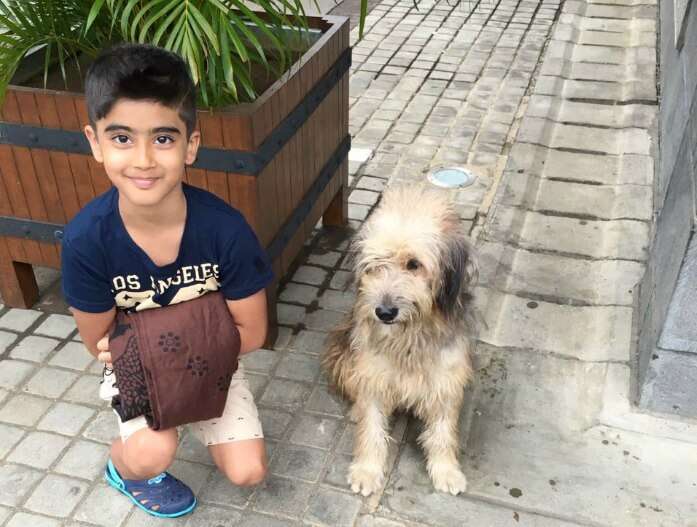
{"type": "Point", "coordinates": [163, 496]}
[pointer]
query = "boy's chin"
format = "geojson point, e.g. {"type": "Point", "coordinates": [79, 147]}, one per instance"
{"type": "Point", "coordinates": [147, 196]}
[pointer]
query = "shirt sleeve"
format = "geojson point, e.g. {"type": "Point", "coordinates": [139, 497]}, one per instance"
{"type": "Point", "coordinates": [244, 265]}
{"type": "Point", "coordinates": [85, 283]}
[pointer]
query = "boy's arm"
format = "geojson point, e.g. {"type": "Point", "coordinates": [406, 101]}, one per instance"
{"type": "Point", "coordinates": [250, 318]}
{"type": "Point", "coordinates": [93, 326]}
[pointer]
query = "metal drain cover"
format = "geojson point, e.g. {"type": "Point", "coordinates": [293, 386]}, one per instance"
{"type": "Point", "coordinates": [451, 177]}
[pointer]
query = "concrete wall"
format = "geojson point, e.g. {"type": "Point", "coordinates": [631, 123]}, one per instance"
{"type": "Point", "coordinates": [676, 179]}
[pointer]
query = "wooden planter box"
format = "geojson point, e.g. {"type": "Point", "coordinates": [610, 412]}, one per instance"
{"type": "Point", "coordinates": [282, 161]}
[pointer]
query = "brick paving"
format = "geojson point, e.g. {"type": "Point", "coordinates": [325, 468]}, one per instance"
{"type": "Point", "coordinates": [562, 148]}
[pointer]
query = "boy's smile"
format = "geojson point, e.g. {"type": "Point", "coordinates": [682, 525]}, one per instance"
{"type": "Point", "coordinates": [144, 148]}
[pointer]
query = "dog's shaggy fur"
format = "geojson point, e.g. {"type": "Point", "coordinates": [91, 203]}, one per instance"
{"type": "Point", "coordinates": [406, 342]}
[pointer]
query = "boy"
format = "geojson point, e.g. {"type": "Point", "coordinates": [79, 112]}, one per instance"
{"type": "Point", "coordinates": [151, 241]}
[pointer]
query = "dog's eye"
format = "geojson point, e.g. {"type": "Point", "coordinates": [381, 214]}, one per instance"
{"type": "Point", "coordinates": [413, 264]}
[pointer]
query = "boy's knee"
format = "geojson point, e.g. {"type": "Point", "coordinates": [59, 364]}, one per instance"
{"type": "Point", "coordinates": [151, 453]}
{"type": "Point", "coordinates": [247, 475]}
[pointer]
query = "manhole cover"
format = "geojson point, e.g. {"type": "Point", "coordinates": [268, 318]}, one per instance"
{"type": "Point", "coordinates": [451, 177]}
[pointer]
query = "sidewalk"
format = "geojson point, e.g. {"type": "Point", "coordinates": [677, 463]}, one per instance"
{"type": "Point", "coordinates": [553, 106]}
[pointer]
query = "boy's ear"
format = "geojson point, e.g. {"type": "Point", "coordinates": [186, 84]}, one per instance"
{"type": "Point", "coordinates": [94, 143]}
{"type": "Point", "coordinates": [192, 147]}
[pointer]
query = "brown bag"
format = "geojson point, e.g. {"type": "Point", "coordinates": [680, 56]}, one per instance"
{"type": "Point", "coordinates": [174, 364]}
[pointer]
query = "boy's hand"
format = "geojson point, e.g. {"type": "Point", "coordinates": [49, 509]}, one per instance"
{"type": "Point", "coordinates": [103, 347]}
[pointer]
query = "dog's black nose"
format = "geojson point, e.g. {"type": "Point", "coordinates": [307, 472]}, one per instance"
{"type": "Point", "coordinates": [386, 314]}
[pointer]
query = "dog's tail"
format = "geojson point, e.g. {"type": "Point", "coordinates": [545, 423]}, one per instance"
{"type": "Point", "coordinates": [336, 360]}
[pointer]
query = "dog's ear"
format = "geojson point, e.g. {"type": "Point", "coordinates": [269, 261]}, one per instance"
{"type": "Point", "coordinates": [458, 271]}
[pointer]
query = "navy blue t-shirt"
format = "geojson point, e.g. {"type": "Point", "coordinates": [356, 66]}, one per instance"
{"type": "Point", "coordinates": [103, 267]}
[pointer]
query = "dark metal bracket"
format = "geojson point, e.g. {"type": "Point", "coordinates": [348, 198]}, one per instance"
{"type": "Point", "coordinates": [31, 229]}
{"type": "Point", "coordinates": [237, 161]}
{"type": "Point", "coordinates": [290, 227]}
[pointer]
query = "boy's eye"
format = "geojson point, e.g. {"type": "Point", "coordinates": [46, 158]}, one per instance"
{"type": "Point", "coordinates": [163, 139]}
{"type": "Point", "coordinates": [121, 139]}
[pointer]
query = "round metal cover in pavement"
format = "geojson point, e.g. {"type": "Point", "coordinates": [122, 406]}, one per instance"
{"type": "Point", "coordinates": [451, 177]}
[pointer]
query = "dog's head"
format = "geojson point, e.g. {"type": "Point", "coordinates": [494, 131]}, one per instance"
{"type": "Point", "coordinates": [413, 260]}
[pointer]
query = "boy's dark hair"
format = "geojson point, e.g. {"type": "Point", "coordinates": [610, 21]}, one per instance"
{"type": "Point", "coordinates": [140, 72]}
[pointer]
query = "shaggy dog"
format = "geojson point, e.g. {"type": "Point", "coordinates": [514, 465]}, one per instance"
{"type": "Point", "coordinates": [406, 343]}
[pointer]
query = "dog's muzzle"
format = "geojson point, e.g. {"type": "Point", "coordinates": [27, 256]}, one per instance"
{"type": "Point", "coordinates": [386, 314]}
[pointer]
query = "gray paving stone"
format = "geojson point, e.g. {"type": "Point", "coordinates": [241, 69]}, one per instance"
{"type": "Point", "coordinates": [19, 319]}
{"type": "Point", "coordinates": [323, 320]}
{"type": "Point", "coordinates": [73, 355]}
{"type": "Point", "coordinates": [59, 326]}
{"type": "Point", "coordinates": [9, 437]}
{"type": "Point", "coordinates": [34, 348]}
{"type": "Point", "coordinates": [274, 422]}
{"type": "Point", "coordinates": [23, 519]}
{"type": "Point", "coordinates": [38, 449]}
{"type": "Point", "coordinates": [191, 449]}
{"type": "Point", "coordinates": [314, 430]}
{"type": "Point", "coordinates": [103, 428]}
{"type": "Point", "coordinates": [309, 275]}
{"type": "Point", "coordinates": [287, 497]}
{"type": "Point", "coordinates": [323, 401]}
{"type": "Point", "coordinates": [561, 329]}
{"type": "Point", "coordinates": [13, 372]}
{"type": "Point", "coordinates": [56, 496]}
{"type": "Point", "coordinates": [625, 239]}
{"type": "Point", "coordinates": [336, 301]}
{"type": "Point", "coordinates": [260, 361]}
{"type": "Point", "coordinates": [4, 513]}
{"type": "Point", "coordinates": [220, 491]}
{"type": "Point", "coordinates": [84, 390]}
{"type": "Point", "coordinates": [341, 280]}
{"type": "Point", "coordinates": [337, 473]}
{"type": "Point", "coordinates": [298, 462]}
{"type": "Point", "coordinates": [289, 314]}
{"type": "Point", "coordinates": [65, 418]}
{"type": "Point", "coordinates": [104, 506]}
{"type": "Point", "coordinates": [334, 509]}
{"type": "Point", "coordinates": [24, 410]}
{"type": "Point", "coordinates": [196, 475]}
{"type": "Point", "coordinates": [327, 259]}
{"type": "Point", "coordinates": [16, 482]}
{"type": "Point", "coordinates": [307, 341]}
{"type": "Point", "coordinates": [298, 293]}
{"type": "Point", "coordinates": [208, 516]}
{"type": "Point", "coordinates": [590, 201]}
{"type": "Point", "coordinates": [369, 520]}
{"type": "Point", "coordinates": [253, 519]}
{"type": "Point", "coordinates": [298, 367]}
{"type": "Point", "coordinates": [285, 394]}
{"type": "Point", "coordinates": [52, 382]}
{"type": "Point", "coordinates": [84, 459]}
{"type": "Point", "coordinates": [599, 282]}
{"type": "Point", "coordinates": [358, 212]}
{"type": "Point", "coordinates": [6, 340]}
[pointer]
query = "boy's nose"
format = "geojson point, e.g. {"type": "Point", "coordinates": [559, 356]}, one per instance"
{"type": "Point", "coordinates": [144, 159]}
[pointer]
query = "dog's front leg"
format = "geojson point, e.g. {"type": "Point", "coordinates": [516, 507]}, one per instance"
{"type": "Point", "coordinates": [439, 440]}
{"type": "Point", "coordinates": [370, 447]}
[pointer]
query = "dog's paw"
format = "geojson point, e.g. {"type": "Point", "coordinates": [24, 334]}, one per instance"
{"type": "Point", "coordinates": [448, 478]}
{"type": "Point", "coordinates": [364, 479]}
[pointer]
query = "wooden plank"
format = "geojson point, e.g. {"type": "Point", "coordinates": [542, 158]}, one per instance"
{"type": "Point", "coordinates": [197, 178]}
{"type": "Point", "coordinates": [33, 191]}
{"type": "Point", "coordinates": [42, 162]}
{"type": "Point", "coordinates": [98, 179]}
{"type": "Point", "coordinates": [238, 133]}
{"type": "Point", "coordinates": [18, 285]}
{"type": "Point", "coordinates": [10, 108]}
{"type": "Point", "coordinates": [72, 173]}
{"type": "Point", "coordinates": [70, 120]}
{"type": "Point", "coordinates": [211, 125]}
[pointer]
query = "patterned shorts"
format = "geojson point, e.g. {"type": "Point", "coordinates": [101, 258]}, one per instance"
{"type": "Point", "coordinates": [240, 419]}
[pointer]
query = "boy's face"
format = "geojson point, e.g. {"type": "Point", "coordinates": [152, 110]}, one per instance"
{"type": "Point", "coordinates": [144, 149]}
